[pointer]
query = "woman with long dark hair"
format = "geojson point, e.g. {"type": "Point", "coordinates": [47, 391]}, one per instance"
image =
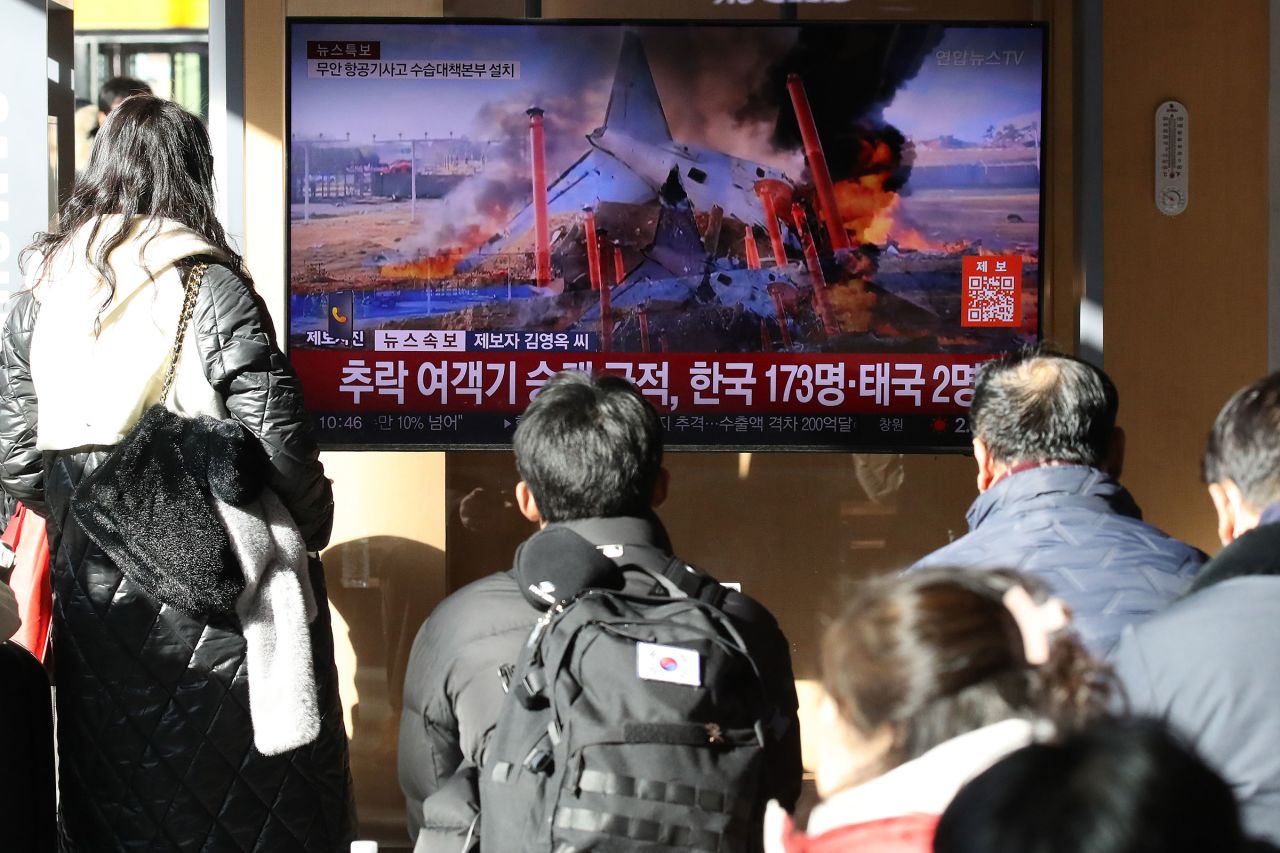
{"type": "Point", "coordinates": [157, 743]}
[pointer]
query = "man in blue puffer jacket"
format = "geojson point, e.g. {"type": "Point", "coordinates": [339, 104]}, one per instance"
{"type": "Point", "coordinates": [1048, 454]}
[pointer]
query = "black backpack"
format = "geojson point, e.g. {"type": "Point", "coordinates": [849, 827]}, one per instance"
{"type": "Point", "coordinates": [632, 723]}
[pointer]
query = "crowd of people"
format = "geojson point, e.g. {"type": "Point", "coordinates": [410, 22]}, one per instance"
{"type": "Point", "coordinates": [1065, 677]}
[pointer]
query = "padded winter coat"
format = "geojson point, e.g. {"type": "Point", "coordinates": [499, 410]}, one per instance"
{"type": "Point", "coordinates": [897, 812]}
{"type": "Point", "coordinates": [155, 741]}
{"type": "Point", "coordinates": [1082, 534]}
{"type": "Point", "coordinates": [1207, 665]}
{"type": "Point", "coordinates": [453, 691]}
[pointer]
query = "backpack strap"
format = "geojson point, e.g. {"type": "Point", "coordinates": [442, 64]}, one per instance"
{"type": "Point", "coordinates": [691, 583]}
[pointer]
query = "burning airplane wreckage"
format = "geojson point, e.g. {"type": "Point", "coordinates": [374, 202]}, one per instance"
{"type": "Point", "coordinates": [656, 245]}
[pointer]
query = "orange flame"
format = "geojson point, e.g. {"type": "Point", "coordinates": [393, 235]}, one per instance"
{"type": "Point", "coordinates": [443, 263]}
{"type": "Point", "coordinates": [853, 304]}
{"type": "Point", "coordinates": [872, 212]}
{"type": "Point", "coordinates": [887, 226]}
{"type": "Point", "coordinates": [439, 265]}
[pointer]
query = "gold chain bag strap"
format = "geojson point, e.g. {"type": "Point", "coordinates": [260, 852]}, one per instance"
{"type": "Point", "coordinates": [191, 288]}
{"type": "Point", "coordinates": [149, 504]}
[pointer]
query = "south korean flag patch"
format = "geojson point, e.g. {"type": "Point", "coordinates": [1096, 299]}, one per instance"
{"type": "Point", "coordinates": [671, 664]}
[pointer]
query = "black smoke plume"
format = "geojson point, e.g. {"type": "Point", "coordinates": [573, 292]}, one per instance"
{"type": "Point", "coordinates": [850, 75]}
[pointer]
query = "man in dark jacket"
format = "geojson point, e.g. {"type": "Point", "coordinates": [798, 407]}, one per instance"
{"type": "Point", "coordinates": [1208, 663]}
{"type": "Point", "coordinates": [589, 454]}
{"type": "Point", "coordinates": [1048, 454]}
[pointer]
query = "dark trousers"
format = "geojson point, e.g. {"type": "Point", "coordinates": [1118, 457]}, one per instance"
{"type": "Point", "coordinates": [28, 810]}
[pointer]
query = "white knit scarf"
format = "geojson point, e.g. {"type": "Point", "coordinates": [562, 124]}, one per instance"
{"type": "Point", "coordinates": [275, 610]}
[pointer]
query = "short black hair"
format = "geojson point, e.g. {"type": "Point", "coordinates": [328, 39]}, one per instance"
{"type": "Point", "coordinates": [1039, 405]}
{"type": "Point", "coordinates": [120, 87]}
{"type": "Point", "coordinates": [589, 447]}
{"type": "Point", "coordinates": [1244, 445]}
{"type": "Point", "coordinates": [1117, 786]}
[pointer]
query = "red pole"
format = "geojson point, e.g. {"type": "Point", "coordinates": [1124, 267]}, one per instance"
{"type": "Point", "coordinates": [619, 266]}
{"type": "Point", "coordinates": [753, 251]}
{"type": "Point", "coordinates": [817, 163]}
{"type": "Point", "coordinates": [780, 310]}
{"type": "Point", "coordinates": [593, 248]}
{"type": "Point", "coordinates": [541, 217]}
{"type": "Point", "coordinates": [771, 222]}
{"type": "Point", "coordinates": [829, 324]}
{"type": "Point", "coordinates": [606, 320]}
{"type": "Point", "coordinates": [662, 339]}
{"type": "Point", "coordinates": [766, 345]}
{"type": "Point", "coordinates": [643, 314]}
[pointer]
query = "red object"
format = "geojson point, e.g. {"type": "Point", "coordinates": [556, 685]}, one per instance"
{"type": "Point", "coordinates": [829, 324]}
{"type": "Point", "coordinates": [1029, 466]}
{"type": "Point", "coordinates": [30, 579]}
{"type": "Point", "coordinates": [991, 291]}
{"type": "Point", "coordinates": [606, 320]}
{"type": "Point", "coordinates": [781, 311]}
{"type": "Point", "coordinates": [907, 834]}
{"type": "Point", "coordinates": [766, 343]}
{"type": "Point", "coordinates": [753, 251]}
{"type": "Point", "coordinates": [643, 314]}
{"type": "Point", "coordinates": [769, 198]}
{"type": "Point", "coordinates": [619, 266]}
{"type": "Point", "coordinates": [541, 216]}
{"type": "Point", "coordinates": [593, 248]}
{"type": "Point", "coordinates": [450, 384]}
{"type": "Point", "coordinates": [817, 163]}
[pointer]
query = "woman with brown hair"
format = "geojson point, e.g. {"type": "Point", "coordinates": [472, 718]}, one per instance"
{"type": "Point", "coordinates": [930, 678]}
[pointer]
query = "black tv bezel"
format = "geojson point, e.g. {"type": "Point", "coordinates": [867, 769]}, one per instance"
{"type": "Point", "coordinates": [291, 21]}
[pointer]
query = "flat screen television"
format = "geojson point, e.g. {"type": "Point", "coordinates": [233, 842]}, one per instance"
{"type": "Point", "coordinates": [792, 236]}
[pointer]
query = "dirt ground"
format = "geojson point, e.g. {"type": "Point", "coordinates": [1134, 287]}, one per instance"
{"type": "Point", "coordinates": [338, 240]}
{"type": "Point", "coordinates": [1001, 217]}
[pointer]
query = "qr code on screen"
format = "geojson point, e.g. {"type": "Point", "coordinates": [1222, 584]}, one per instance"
{"type": "Point", "coordinates": [992, 299]}
{"type": "Point", "coordinates": [992, 291]}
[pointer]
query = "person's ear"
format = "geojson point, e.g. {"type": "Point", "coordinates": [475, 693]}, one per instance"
{"type": "Point", "coordinates": [1234, 515]}
{"type": "Point", "coordinates": [988, 470]}
{"type": "Point", "coordinates": [527, 504]}
{"type": "Point", "coordinates": [1114, 464]}
{"type": "Point", "coordinates": [661, 485]}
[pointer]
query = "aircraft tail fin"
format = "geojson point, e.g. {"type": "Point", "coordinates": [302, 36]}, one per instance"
{"type": "Point", "coordinates": [634, 106]}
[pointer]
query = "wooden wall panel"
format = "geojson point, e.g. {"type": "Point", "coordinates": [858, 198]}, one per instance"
{"type": "Point", "coordinates": [1186, 296]}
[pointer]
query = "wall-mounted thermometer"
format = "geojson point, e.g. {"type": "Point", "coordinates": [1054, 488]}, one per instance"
{"type": "Point", "coordinates": [1172, 136]}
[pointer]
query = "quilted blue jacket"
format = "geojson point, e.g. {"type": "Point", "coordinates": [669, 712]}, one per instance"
{"type": "Point", "coordinates": [1081, 533]}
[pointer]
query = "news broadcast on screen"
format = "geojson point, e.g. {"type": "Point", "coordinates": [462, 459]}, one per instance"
{"type": "Point", "coordinates": [801, 236]}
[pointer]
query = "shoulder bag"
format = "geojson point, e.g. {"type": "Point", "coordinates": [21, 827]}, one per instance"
{"type": "Point", "coordinates": [149, 504]}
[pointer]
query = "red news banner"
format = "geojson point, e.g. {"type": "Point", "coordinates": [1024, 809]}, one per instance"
{"type": "Point", "coordinates": [689, 383]}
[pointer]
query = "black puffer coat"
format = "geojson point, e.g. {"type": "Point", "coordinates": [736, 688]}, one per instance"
{"type": "Point", "coordinates": [155, 741]}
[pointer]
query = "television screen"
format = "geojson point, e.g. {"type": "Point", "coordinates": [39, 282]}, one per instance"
{"type": "Point", "coordinates": [788, 236]}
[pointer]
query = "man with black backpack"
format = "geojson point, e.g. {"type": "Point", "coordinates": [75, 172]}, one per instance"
{"type": "Point", "coordinates": [672, 734]}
